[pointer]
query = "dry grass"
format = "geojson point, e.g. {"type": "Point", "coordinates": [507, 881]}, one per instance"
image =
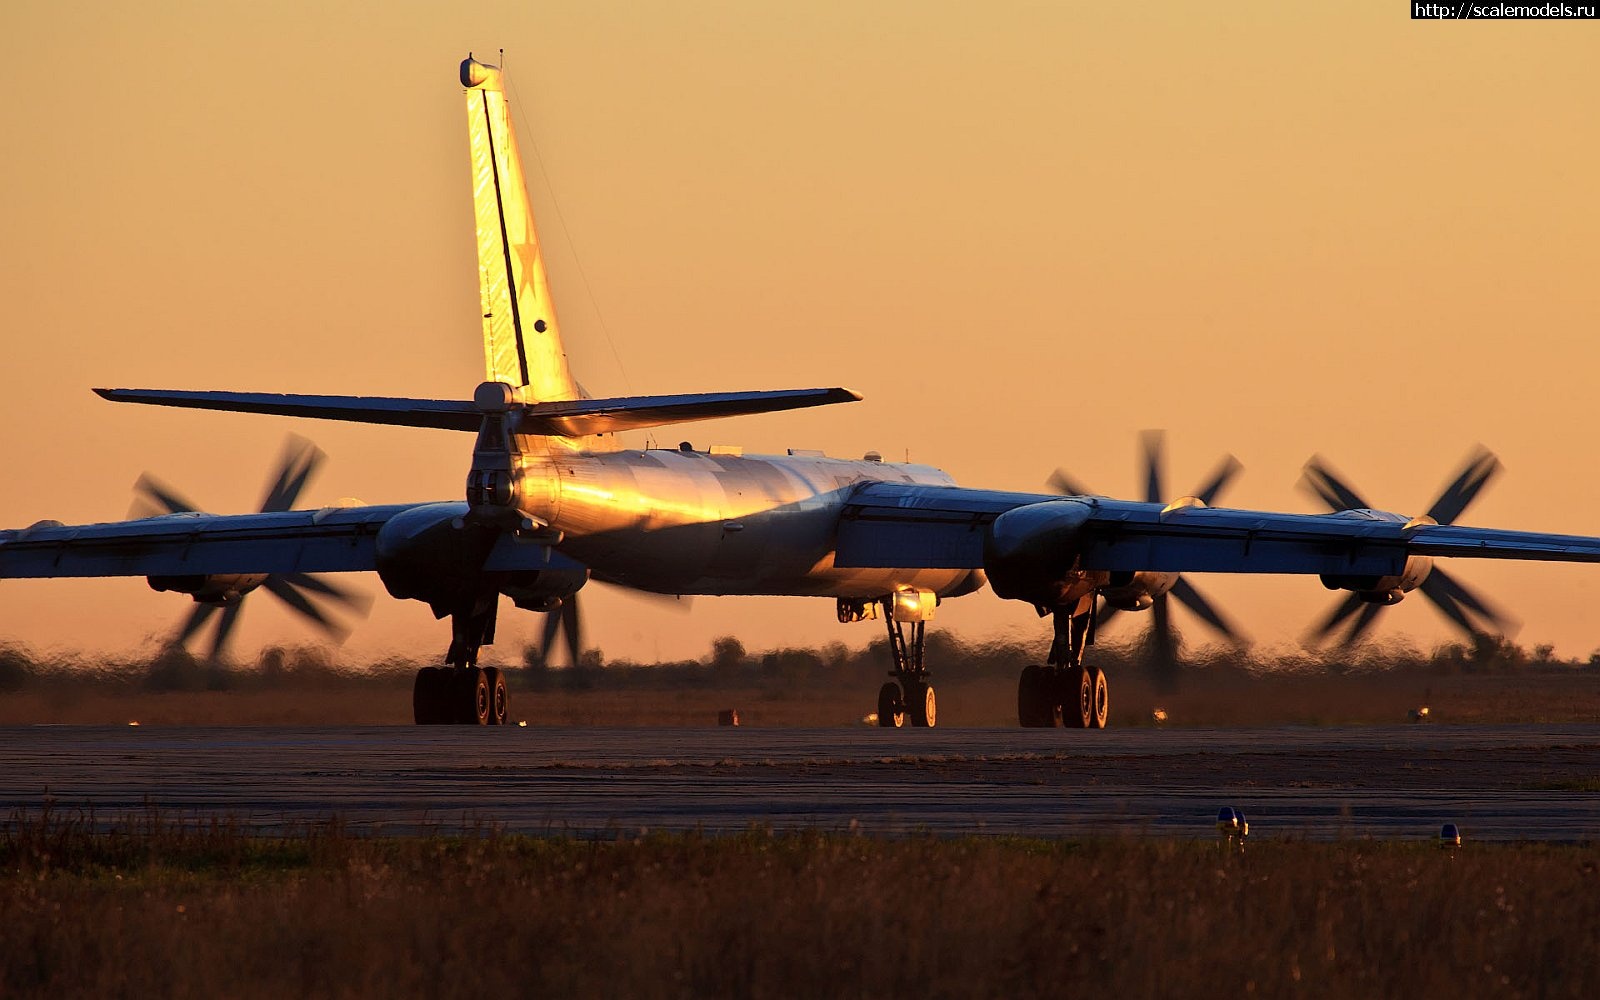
{"type": "Point", "coordinates": [166, 909]}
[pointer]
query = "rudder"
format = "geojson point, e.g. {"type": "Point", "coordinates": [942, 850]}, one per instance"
{"type": "Point", "coordinates": [521, 337]}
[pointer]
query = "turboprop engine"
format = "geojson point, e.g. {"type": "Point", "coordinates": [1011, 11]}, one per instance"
{"type": "Point", "coordinates": [1031, 554]}
{"type": "Point", "coordinates": [1384, 590]}
{"type": "Point", "coordinates": [438, 554]}
{"type": "Point", "coordinates": [1369, 595]}
{"type": "Point", "coordinates": [1127, 591]}
{"type": "Point", "coordinates": [222, 588]}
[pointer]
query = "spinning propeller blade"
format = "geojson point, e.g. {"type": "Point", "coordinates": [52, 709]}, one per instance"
{"type": "Point", "coordinates": [1219, 481]}
{"type": "Point", "coordinates": [1153, 444]}
{"type": "Point", "coordinates": [1061, 483]}
{"type": "Point", "coordinates": [1329, 488]}
{"type": "Point", "coordinates": [564, 620]}
{"type": "Point", "coordinates": [301, 459]}
{"type": "Point", "coordinates": [152, 497]}
{"type": "Point", "coordinates": [1461, 606]}
{"type": "Point", "coordinates": [1164, 637]}
{"type": "Point", "coordinates": [1189, 597]}
{"type": "Point", "coordinates": [1482, 466]}
{"type": "Point", "coordinates": [193, 623]}
{"type": "Point", "coordinates": [225, 624]}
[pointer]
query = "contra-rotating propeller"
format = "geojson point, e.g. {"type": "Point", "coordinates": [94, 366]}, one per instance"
{"type": "Point", "coordinates": [305, 593]}
{"type": "Point", "coordinates": [565, 622]}
{"type": "Point", "coordinates": [1163, 634]}
{"type": "Point", "coordinates": [1465, 609]}
{"type": "Point", "coordinates": [562, 621]}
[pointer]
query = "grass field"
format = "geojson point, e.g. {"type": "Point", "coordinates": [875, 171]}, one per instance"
{"type": "Point", "coordinates": [174, 909]}
{"type": "Point", "coordinates": [198, 907]}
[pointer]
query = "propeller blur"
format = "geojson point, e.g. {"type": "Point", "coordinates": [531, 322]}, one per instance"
{"type": "Point", "coordinates": [1359, 611]}
{"type": "Point", "coordinates": [1164, 639]}
{"type": "Point", "coordinates": [222, 596]}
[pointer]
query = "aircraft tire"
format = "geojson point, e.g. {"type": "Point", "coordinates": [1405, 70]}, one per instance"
{"type": "Point", "coordinates": [499, 697]}
{"type": "Point", "coordinates": [471, 696]}
{"type": "Point", "coordinates": [921, 706]}
{"type": "Point", "coordinates": [1099, 699]}
{"type": "Point", "coordinates": [427, 701]}
{"type": "Point", "coordinates": [1077, 697]}
{"type": "Point", "coordinates": [891, 708]}
{"type": "Point", "coordinates": [1034, 705]}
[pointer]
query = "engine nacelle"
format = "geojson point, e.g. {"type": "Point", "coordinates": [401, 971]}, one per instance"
{"type": "Point", "coordinates": [1384, 589]}
{"type": "Point", "coordinates": [1127, 591]}
{"type": "Point", "coordinates": [436, 554]}
{"type": "Point", "coordinates": [216, 588]}
{"type": "Point", "coordinates": [1031, 553]}
{"type": "Point", "coordinates": [543, 590]}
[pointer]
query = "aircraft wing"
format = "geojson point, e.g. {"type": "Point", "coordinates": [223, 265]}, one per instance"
{"type": "Point", "coordinates": [891, 524]}
{"type": "Point", "coordinates": [338, 539]}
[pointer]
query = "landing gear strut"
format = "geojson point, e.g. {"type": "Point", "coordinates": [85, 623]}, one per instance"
{"type": "Point", "coordinates": [1065, 687]}
{"type": "Point", "coordinates": [461, 692]}
{"type": "Point", "coordinates": [909, 697]}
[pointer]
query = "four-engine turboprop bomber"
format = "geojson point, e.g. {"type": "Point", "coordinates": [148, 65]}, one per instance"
{"type": "Point", "coordinates": [552, 501]}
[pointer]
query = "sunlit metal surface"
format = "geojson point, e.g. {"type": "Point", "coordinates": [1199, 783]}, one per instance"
{"type": "Point", "coordinates": [691, 522]}
{"type": "Point", "coordinates": [522, 338]}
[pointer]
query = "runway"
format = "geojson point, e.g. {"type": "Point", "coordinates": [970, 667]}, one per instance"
{"type": "Point", "coordinates": [1498, 783]}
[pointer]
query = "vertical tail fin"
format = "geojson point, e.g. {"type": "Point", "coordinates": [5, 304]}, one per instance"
{"type": "Point", "coordinates": [521, 338]}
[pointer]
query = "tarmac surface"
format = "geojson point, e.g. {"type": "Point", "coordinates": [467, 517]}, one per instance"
{"type": "Point", "coordinates": [1497, 783]}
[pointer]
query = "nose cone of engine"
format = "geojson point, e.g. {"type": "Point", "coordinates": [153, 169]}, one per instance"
{"type": "Point", "coordinates": [1028, 551]}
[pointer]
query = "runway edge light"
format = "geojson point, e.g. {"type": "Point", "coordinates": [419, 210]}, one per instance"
{"type": "Point", "coordinates": [1233, 827]}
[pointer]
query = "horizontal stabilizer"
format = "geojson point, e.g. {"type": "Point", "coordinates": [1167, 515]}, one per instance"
{"type": "Point", "coordinates": [578, 417]}
{"type": "Point", "coordinates": [566, 418]}
{"type": "Point", "coordinates": [458, 415]}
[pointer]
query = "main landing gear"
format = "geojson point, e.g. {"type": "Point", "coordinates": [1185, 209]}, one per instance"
{"type": "Point", "coordinates": [1065, 687]}
{"type": "Point", "coordinates": [461, 692]}
{"type": "Point", "coordinates": [909, 697]}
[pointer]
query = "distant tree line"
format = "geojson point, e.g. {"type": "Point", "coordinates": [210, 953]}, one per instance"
{"type": "Point", "coordinates": [730, 663]}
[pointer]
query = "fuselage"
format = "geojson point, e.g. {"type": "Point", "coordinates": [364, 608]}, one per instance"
{"type": "Point", "coordinates": [678, 521]}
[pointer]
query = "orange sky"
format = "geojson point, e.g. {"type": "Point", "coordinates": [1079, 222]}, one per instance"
{"type": "Point", "coordinates": [1024, 232]}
